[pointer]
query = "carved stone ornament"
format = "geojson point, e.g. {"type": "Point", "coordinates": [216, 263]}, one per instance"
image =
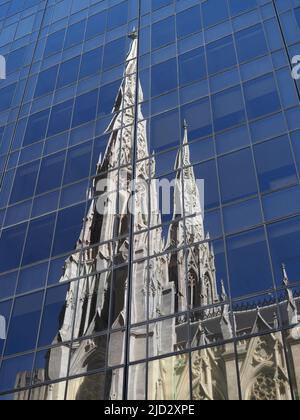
{"type": "Point", "coordinates": [263, 353]}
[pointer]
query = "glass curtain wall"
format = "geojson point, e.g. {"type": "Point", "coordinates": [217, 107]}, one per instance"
{"type": "Point", "coordinates": [119, 278]}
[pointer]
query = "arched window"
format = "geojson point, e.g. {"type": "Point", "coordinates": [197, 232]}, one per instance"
{"type": "Point", "coordinates": [192, 289]}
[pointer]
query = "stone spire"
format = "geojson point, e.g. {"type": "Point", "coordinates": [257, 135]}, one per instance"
{"type": "Point", "coordinates": [114, 221]}
{"type": "Point", "coordinates": [120, 145]}
{"type": "Point", "coordinates": [191, 195]}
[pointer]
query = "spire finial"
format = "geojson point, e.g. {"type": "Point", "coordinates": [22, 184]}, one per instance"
{"type": "Point", "coordinates": [185, 124]}
{"type": "Point", "coordinates": [285, 275]}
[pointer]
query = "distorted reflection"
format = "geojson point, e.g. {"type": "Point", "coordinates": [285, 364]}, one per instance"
{"type": "Point", "coordinates": [177, 272]}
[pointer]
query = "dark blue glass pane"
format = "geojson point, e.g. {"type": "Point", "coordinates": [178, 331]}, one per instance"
{"type": "Point", "coordinates": [164, 77]}
{"type": "Point", "coordinates": [46, 81]}
{"type": "Point", "coordinates": [6, 96]}
{"type": "Point", "coordinates": [36, 127]}
{"type": "Point", "coordinates": [261, 96]}
{"type": "Point", "coordinates": [165, 131]}
{"type": "Point", "coordinates": [118, 15]}
{"type": "Point", "coordinates": [198, 118]}
{"type": "Point", "coordinates": [214, 11]}
{"type": "Point", "coordinates": [237, 176]}
{"type": "Point", "coordinates": [251, 43]}
{"type": "Point", "coordinates": [91, 63]}
{"type": "Point", "coordinates": [228, 109]}
{"type": "Point", "coordinates": [221, 55]}
{"type": "Point", "coordinates": [12, 238]}
{"type": "Point", "coordinates": [60, 118]}
{"type": "Point", "coordinates": [25, 181]}
{"type": "Point", "coordinates": [75, 34]}
{"type": "Point", "coordinates": [163, 32]}
{"type": "Point", "coordinates": [8, 285]}
{"type": "Point", "coordinates": [157, 4]}
{"type": "Point", "coordinates": [16, 59]}
{"type": "Point", "coordinates": [238, 6]}
{"type": "Point", "coordinates": [68, 72]}
{"type": "Point", "coordinates": [192, 66]}
{"type": "Point", "coordinates": [188, 21]}
{"type": "Point", "coordinates": [24, 324]}
{"type": "Point", "coordinates": [114, 53]}
{"type": "Point", "coordinates": [249, 251]}
{"type": "Point", "coordinates": [275, 165]}
{"type": "Point", "coordinates": [85, 108]}
{"type": "Point", "coordinates": [78, 163]}
{"type": "Point", "coordinates": [297, 13]}
{"type": "Point", "coordinates": [32, 278]}
{"type": "Point", "coordinates": [96, 25]}
{"type": "Point", "coordinates": [55, 42]}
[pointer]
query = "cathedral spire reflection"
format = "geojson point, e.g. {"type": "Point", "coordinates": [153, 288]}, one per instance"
{"type": "Point", "coordinates": [177, 289]}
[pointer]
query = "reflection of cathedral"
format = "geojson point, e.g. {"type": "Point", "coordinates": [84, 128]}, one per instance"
{"type": "Point", "coordinates": [174, 283]}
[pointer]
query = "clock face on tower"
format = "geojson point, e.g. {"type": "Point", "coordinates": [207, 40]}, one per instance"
{"type": "Point", "coordinates": [296, 332]}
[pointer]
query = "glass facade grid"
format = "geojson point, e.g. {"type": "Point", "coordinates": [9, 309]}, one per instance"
{"type": "Point", "coordinates": [176, 304]}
